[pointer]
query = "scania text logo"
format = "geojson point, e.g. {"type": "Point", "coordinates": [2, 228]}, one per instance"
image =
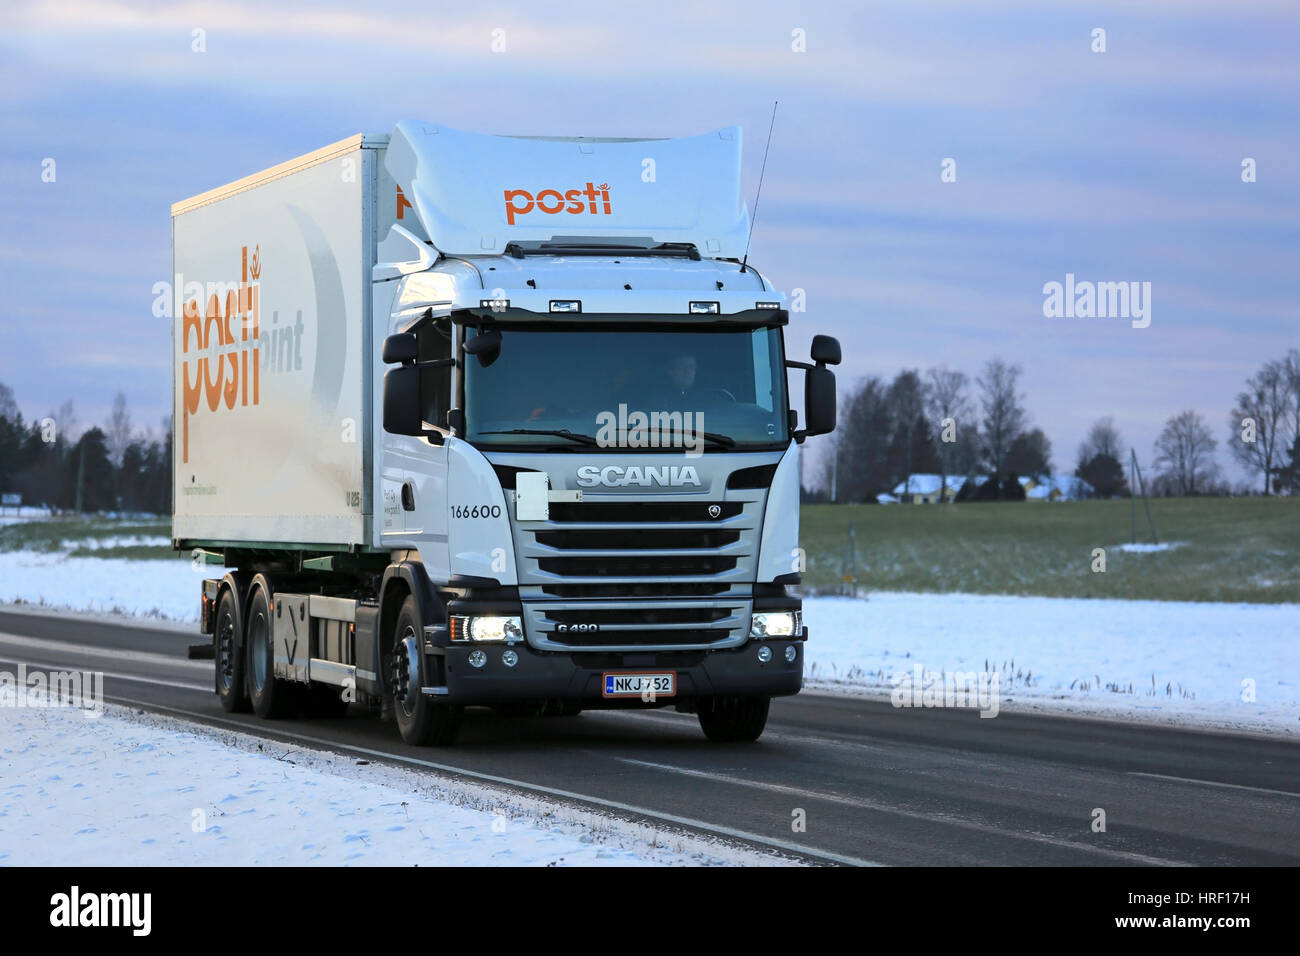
{"type": "Point", "coordinates": [616, 476]}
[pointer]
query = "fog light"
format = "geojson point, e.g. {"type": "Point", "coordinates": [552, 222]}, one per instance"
{"type": "Point", "coordinates": [509, 658]}
{"type": "Point", "coordinates": [477, 658]}
{"type": "Point", "coordinates": [791, 653]}
{"type": "Point", "coordinates": [764, 654]}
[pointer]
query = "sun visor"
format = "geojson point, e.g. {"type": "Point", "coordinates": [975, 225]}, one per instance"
{"type": "Point", "coordinates": [474, 193]}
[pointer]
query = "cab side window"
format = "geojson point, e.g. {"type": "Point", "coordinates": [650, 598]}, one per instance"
{"type": "Point", "coordinates": [434, 340]}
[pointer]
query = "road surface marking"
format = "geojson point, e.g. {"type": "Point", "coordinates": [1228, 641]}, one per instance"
{"type": "Point", "coordinates": [1215, 783]}
{"type": "Point", "coordinates": [913, 814]}
{"type": "Point", "coordinates": [335, 745]}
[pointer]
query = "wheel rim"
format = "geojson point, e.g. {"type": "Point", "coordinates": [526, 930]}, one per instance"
{"type": "Point", "coordinates": [406, 672]}
{"type": "Point", "coordinates": [257, 649]}
{"type": "Point", "coordinates": [226, 651]}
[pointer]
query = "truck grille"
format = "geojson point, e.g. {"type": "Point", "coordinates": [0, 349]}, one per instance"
{"type": "Point", "coordinates": [639, 575]}
{"type": "Point", "coordinates": [635, 540]}
{"type": "Point", "coordinates": [638, 638]}
{"type": "Point", "coordinates": [639, 566]}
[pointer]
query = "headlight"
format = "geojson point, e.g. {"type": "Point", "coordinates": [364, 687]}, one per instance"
{"type": "Point", "coordinates": [775, 624]}
{"type": "Point", "coordinates": [509, 629]}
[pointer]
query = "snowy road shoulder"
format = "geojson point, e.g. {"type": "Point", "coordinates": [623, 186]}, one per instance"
{"type": "Point", "coordinates": [151, 790]}
{"type": "Point", "coordinates": [1230, 666]}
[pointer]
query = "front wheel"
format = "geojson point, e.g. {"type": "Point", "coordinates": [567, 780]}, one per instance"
{"type": "Point", "coordinates": [420, 719]}
{"type": "Point", "coordinates": [733, 719]}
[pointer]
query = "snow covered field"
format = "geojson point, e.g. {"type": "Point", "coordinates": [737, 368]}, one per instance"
{"type": "Point", "coordinates": [152, 791]}
{"type": "Point", "coordinates": [1143, 660]}
{"type": "Point", "coordinates": [1194, 663]}
{"type": "Point", "coordinates": [164, 588]}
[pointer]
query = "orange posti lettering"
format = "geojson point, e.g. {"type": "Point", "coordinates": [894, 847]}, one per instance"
{"type": "Point", "coordinates": [521, 202]}
{"type": "Point", "coordinates": [219, 343]}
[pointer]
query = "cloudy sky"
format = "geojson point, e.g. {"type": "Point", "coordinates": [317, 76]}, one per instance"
{"type": "Point", "coordinates": [1123, 165]}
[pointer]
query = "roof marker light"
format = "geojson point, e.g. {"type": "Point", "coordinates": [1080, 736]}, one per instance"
{"type": "Point", "coordinates": [705, 308]}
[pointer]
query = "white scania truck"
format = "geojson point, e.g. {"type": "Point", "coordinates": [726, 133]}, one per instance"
{"type": "Point", "coordinates": [494, 421]}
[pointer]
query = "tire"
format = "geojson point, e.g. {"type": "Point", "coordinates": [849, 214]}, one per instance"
{"type": "Point", "coordinates": [421, 720]}
{"type": "Point", "coordinates": [733, 719]}
{"type": "Point", "coordinates": [232, 690]}
{"type": "Point", "coordinates": [270, 696]}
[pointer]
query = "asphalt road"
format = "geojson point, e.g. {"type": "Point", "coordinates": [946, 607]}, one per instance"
{"type": "Point", "coordinates": [875, 784]}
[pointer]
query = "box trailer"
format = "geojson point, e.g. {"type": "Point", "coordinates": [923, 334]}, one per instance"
{"type": "Point", "coordinates": [482, 420]}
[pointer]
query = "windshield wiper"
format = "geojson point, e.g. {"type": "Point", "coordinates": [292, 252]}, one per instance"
{"type": "Point", "coordinates": [726, 441]}
{"type": "Point", "coordinates": [558, 432]}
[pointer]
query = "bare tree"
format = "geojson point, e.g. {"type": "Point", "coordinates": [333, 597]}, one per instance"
{"type": "Point", "coordinates": [906, 399]}
{"type": "Point", "coordinates": [1291, 370]}
{"type": "Point", "coordinates": [1258, 418]}
{"type": "Point", "coordinates": [1103, 439]}
{"type": "Point", "coordinates": [948, 407]}
{"type": "Point", "coordinates": [1185, 453]}
{"type": "Point", "coordinates": [119, 429]}
{"type": "Point", "coordinates": [8, 404]}
{"type": "Point", "coordinates": [862, 442]}
{"type": "Point", "coordinates": [1004, 412]}
{"type": "Point", "coordinates": [66, 422]}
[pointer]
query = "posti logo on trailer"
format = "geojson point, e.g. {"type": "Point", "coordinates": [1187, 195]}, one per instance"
{"type": "Point", "coordinates": [220, 344]}
{"type": "Point", "coordinates": [576, 202]}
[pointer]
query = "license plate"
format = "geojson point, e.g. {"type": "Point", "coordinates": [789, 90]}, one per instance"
{"type": "Point", "coordinates": [640, 684]}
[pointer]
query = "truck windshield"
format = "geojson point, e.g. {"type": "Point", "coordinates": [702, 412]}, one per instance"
{"type": "Point", "coordinates": [642, 388]}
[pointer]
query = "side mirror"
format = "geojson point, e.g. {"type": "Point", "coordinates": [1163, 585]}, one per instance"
{"type": "Point", "coordinates": [402, 403]}
{"type": "Point", "coordinates": [826, 350]}
{"type": "Point", "coordinates": [486, 346]}
{"type": "Point", "coordinates": [819, 400]}
{"type": "Point", "coordinates": [400, 348]}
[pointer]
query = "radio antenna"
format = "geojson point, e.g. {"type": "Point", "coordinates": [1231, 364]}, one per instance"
{"type": "Point", "coordinates": [759, 192]}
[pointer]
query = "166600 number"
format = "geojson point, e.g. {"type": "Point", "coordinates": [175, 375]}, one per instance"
{"type": "Point", "coordinates": [476, 511]}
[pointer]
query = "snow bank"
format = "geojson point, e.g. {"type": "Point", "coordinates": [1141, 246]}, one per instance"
{"type": "Point", "coordinates": [147, 790]}
{"type": "Point", "coordinates": [1158, 660]}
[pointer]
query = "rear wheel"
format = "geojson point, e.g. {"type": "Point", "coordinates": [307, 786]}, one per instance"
{"type": "Point", "coordinates": [270, 696]}
{"type": "Point", "coordinates": [231, 689]}
{"type": "Point", "coordinates": [733, 718]}
{"type": "Point", "coordinates": [420, 719]}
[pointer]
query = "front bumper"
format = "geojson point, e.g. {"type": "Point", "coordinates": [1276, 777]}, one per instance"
{"type": "Point", "coordinates": [579, 676]}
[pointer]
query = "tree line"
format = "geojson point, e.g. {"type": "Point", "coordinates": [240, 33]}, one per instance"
{"type": "Point", "coordinates": [52, 463]}
{"type": "Point", "coordinates": [978, 435]}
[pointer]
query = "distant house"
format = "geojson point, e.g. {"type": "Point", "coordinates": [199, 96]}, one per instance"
{"type": "Point", "coordinates": [1058, 488]}
{"type": "Point", "coordinates": [925, 489]}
